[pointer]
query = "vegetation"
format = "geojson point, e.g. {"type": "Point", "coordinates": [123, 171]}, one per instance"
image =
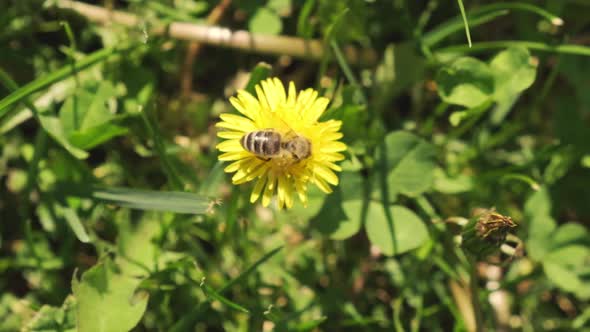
{"type": "Point", "coordinates": [462, 202]}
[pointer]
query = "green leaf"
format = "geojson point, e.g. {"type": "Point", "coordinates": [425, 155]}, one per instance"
{"type": "Point", "coordinates": [87, 108]}
{"type": "Point", "coordinates": [452, 184]}
{"type": "Point", "coordinates": [54, 128]}
{"type": "Point", "coordinates": [258, 74]}
{"type": "Point", "coordinates": [568, 234]}
{"type": "Point", "coordinates": [85, 116]}
{"type": "Point", "coordinates": [408, 162]}
{"type": "Point", "coordinates": [562, 276]}
{"type": "Point", "coordinates": [139, 83]}
{"type": "Point", "coordinates": [310, 325]}
{"type": "Point", "coordinates": [337, 219]}
{"type": "Point", "coordinates": [540, 222]}
{"type": "Point", "coordinates": [265, 21]}
{"type": "Point", "coordinates": [49, 319]}
{"type": "Point", "coordinates": [344, 21]}
{"type": "Point", "coordinates": [341, 215]}
{"type": "Point", "coordinates": [49, 123]}
{"type": "Point", "coordinates": [570, 125]}
{"type": "Point", "coordinates": [106, 300]}
{"type": "Point", "coordinates": [96, 135]}
{"type": "Point", "coordinates": [572, 256]}
{"type": "Point", "coordinates": [279, 6]}
{"type": "Point", "coordinates": [395, 232]}
{"type": "Point", "coordinates": [349, 227]}
{"type": "Point", "coordinates": [137, 250]}
{"type": "Point", "coordinates": [352, 116]}
{"type": "Point", "coordinates": [513, 72]}
{"type": "Point", "coordinates": [467, 82]}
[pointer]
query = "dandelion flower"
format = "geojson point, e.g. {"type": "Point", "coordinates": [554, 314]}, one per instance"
{"type": "Point", "coordinates": [291, 115]}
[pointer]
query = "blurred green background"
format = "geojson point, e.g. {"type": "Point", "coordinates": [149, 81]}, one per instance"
{"type": "Point", "coordinates": [115, 214]}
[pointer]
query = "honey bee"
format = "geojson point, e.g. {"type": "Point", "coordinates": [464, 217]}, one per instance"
{"type": "Point", "coordinates": [268, 144]}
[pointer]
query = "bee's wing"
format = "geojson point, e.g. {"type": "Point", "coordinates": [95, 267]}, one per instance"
{"type": "Point", "coordinates": [290, 134]}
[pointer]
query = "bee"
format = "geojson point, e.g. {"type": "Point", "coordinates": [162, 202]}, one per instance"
{"type": "Point", "coordinates": [268, 144]}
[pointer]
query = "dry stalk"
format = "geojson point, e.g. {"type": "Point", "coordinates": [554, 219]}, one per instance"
{"type": "Point", "coordinates": [312, 49]}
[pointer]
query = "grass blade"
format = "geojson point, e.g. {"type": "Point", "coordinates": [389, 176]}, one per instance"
{"type": "Point", "coordinates": [75, 224]}
{"type": "Point", "coordinates": [210, 292]}
{"type": "Point", "coordinates": [347, 71]}
{"type": "Point", "coordinates": [465, 23]}
{"type": "Point", "coordinates": [526, 7]}
{"type": "Point", "coordinates": [446, 29]}
{"type": "Point", "coordinates": [250, 269]}
{"type": "Point", "coordinates": [167, 165]}
{"type": "Point", "coordinates": [57, 76]}
{"type": "Point", "coordinates": [538, 46]}
{"type": "Point", "coordinates": [171, 201]}
{"type": "Point", "coordinates": [483, 15]}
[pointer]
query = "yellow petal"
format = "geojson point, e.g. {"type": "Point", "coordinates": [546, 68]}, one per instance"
{"type": "Point", "coordinates": [229, 156]}
{"type": "Point", "coordinates": [332, 136]}
{"type": "Point", "coordinates": [257, 172]}
{"type": "Point", "coordinates": [317, 108]}
{"type": "Point", "coordinates": [288, 193]}
{"type": "Point", "coordinates": [322, 185]}
{"type": "Point", "coordinates": [244, 127]}
{"type": "Point", "coordinates": [237, 104]}
{"type": "Point", "coordinates": [274, 92]}
{"type": "Point", "coordinates": [331, 126]}
{"type": "Point", "coordinates": [234, 166]}
{"type": "Point", "coordinates": [301, 191]}
{"type": "Point", "coordinates": [326, 174]}
{"type": "Point", "coordinates": [280, 90]}
{"type": "Point", "coordinates": [333, 147]}
{"type": "Point", "coordinates": [244, 174]}
{"type": "Point", "coordinates": [281, 190]}
{"type": "Point", "coordinates": [239, 177]}
{"type": "Point", "coordinates": [332, 166]}
{"type": "Point", "coordinates": [333, 156]}
{"type": "Point", "coordinates": [235, 119]}
{"type": "Point", "coordinates": [230, 134]}
{"type": "Point", "coordinates": [249, 102]}
{"type": "Point", "coordinates": [257, 189]}
{"type": "Point", "coordinates": [268, 190]}
{"type": "Point", "coordinates": [292, 96]}
{"type": "Point", "coordinates": [305, 98]}
{"type": "Point", "coordinates": [261, 97]}
{"type": "Point", "coordinates": [231, 145]}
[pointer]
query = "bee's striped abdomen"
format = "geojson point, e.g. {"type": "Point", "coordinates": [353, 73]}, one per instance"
{"type": "Point", "coordinates": [264, 143]}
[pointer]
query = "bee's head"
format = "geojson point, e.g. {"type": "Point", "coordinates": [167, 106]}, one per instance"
{"type": "Point", "coordinates": [300, 147]}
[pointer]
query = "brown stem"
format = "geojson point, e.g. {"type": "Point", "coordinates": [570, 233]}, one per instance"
{"type": "Point", "coordinates": [193, 49]}
{"type": "Point", "coordinates": [462, 295]}
{"type": "Point", "coordinates": [312, 49]}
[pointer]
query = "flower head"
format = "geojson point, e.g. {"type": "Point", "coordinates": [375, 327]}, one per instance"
{"type": "Point", "coordinates": [280, 168]}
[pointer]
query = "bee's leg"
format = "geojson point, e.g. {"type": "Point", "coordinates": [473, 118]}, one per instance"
{"type": "Point", "coordinates": [263, 159]}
